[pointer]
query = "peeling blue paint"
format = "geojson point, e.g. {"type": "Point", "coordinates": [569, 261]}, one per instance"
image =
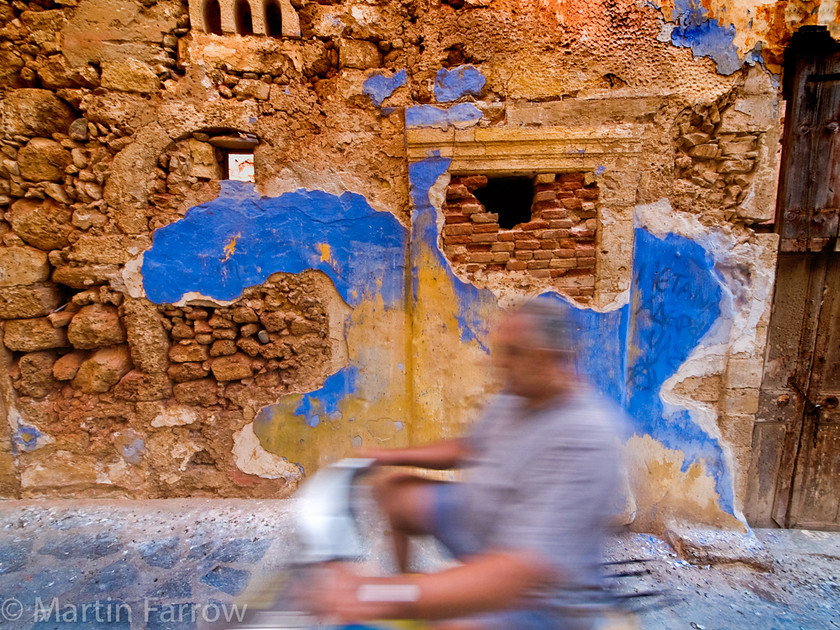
{"type": "Point", "coordinates": [380, 86]}
{"type": "Point", "coordinates": [460, 115]}
{"type": "Point", "coordinates": [706, 37]}
{"type": "Point", "coordinates": [450, 85]}
{"type": "Point", "coordinates": [240, 238]}
{"type": "Point", "coordinates": [422, 176]}
{"type": "Point", "coordinates": [26, 438]}
{"type": "Point", "coordinates": [600, 170]}
{"type": "Point", "coordinates": [677, 304]}
{"type": "Point", "coordinates": [630, 353]}
{"type": "Point", "coordinates": [323, 404]}
{"type": "Point", "coordinates": [133, 451]}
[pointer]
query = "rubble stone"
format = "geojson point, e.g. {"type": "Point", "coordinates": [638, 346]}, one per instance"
{"type": "Point", "coordinates": [78, 130]}
{"type": "Point", "coordinates": [56, 72]}
{"type": "Point", "coordinates": [84, 276]}
{"type": "Point", "coordinates": [129, 75]}
{"type": "Point", "coordinates": [103, 370]}
{"type": "Point", "coordinates": [34, 112]}
{"type": "Point", "coordinates": [10, 66]}
{"type": "Point", "coordinates": [24, 301]}
{"type": "Point", "coordinates": [252, 88]}
{"type": "Point", "coordinates": [203, 162]}
{"type": "Point", "coordinates": [231, 368]}
{"type": "Point", "coordinates": [203, 392]}
{"type": "Point", "coordinates": [123, 110]}
{"type": "Point", "coordinates": [29, 335]}
{"type": "Point", "coordinates": [181, 372]}
{"type": "Point", "coordinates": [138, 386]}
{"type": "Point", "coordinates": [44, 27]}
{"type": "Point", "coordinates": [184, 353]}
{"type": "Point", "coordinates": [36, 378]}
{"type": "Point", "coordinates": [66, 367]}
{"type": "Point", "coordinates": [43, 160]}
{"type": "Point", "coordinates": [147, 338]}
{"type": "Point", "coordinates": [42, 224]}
{"type": "Point", "coordinates": [243, 315]}
{"type": "Point", "coordinates": [222, 347]}
{"type": "Point", "coordinates": [107, 249]}
{"type": "Point", "coordinates": [359, 54]}
{"type": "Point", "coordinates": [22, 265]}
{"type": "Point", "coordinates": [94, 326]}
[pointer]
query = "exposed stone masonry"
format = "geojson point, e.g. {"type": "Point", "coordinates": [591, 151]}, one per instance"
{"type": "Point", "coordinates": [98, 356]}
{"type": "Point", "coordinates": [714, 161]}
{"type": "Point", "coordinates": [556, 245]}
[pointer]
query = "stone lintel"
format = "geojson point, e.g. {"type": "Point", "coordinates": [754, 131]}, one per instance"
{"type": "Point", "coordinates": [515, 150]}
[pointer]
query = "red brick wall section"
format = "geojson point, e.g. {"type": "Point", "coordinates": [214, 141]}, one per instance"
{"type": "Point", "coordinates": [557, 244]}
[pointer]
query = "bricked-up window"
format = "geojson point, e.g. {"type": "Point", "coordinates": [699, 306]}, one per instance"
{"type": "Point", "coordinates": [509, 197]}
{"type": "Point", "coordinates": [556, 246]}
{"type": "Point", "coordinates": [212, 17]}
{"type": "Point", "coordinates": [244, 23]}
{"type": "Point", "coordinates": [273, 19]}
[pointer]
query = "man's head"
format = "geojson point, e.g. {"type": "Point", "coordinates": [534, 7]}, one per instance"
{"type": "Point", "coordinates": [533, 347]}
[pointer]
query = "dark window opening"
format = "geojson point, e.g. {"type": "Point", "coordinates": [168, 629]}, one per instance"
{"type": "Point", "coordinates": [273, 19]}
{"type": "Point", "coordinates": [510, 198]}
{"type": "Point", "coordinates": [213, 17]}
{"type": "Point", "coordinates": [244, 23]}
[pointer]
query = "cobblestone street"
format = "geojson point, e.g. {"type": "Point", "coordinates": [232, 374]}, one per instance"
{"type": "Point", "coordinates": [182, 564]}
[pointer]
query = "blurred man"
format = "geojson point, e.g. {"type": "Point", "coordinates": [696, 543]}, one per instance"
{"type": "Point", "coordinates": [529, 518]}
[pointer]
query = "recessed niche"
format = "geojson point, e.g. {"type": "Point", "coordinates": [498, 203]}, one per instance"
{"type": "Point", "coordinates": [244, 21]}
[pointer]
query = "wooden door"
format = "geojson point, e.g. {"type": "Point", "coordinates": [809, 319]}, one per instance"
{"type": "Point", "coordinates": [795, 475]}
{"type": "Point", "coordinates": [809, 188]}
{"type": "Point", "coordinates": [815, 499]}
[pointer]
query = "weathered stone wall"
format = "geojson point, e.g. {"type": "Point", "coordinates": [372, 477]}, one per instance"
{"type": "Point", "coordinates": [168, 334]}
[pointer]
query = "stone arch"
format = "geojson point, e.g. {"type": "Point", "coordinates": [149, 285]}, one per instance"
{"type": "Point", "coordinates": [243, 18]}
{"type": "Point", "coordinates": [273, 18]}
{"type": "Point", "coordinates": [212, 17]}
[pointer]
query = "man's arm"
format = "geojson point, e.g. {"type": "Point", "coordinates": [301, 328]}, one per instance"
{"type": "Point", "coordinates": [485, 582]}
{"type": "Point", "coordinates": [436, 456]}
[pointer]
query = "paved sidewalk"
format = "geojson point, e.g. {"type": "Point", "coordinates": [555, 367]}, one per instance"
{"type": "Point", "coordinates": [180, 564]}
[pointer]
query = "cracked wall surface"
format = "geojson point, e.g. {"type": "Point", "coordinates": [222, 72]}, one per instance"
{"type": "Point", "coordinates": [166, 333]}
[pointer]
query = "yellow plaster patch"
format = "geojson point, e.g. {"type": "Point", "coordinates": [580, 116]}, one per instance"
{"type": "Point", "coordinates": [377, 413]}
{"type": "Point", "coordinates": [230, 248]}
{"type": "Point", "coordinates": [326, 254]}
{"type": "Point", "coordinates": [661, 489]}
